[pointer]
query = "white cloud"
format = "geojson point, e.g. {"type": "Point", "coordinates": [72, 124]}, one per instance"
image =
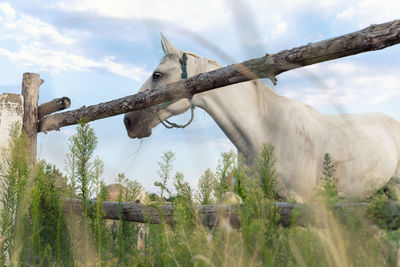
{"type": "Point", "coordinates": [7, 11]}
{"type": "Point", "coordinates": [42, 47]}
{"type": "Point", "coordinates": [216, 20]}
{"type": "Point", "coordinates": [346, 14]}
{"type": "Point", "coordinates": [26, 29]}
{"type": "Point", "coordinates": [345, 84]}
{"type": "Point", "coordinates": [193, 15]}
{"type": "Point", "coordinates": [272, 18]}
{"type": "Point", "coordinates": [123, 69]}
{"type": "Point", "coordinates": [384, 97]}
{"type": "Point", "coordinates": [54, 61]}
{"type": "Point", "coordinates": [344, 68]}
{"type": "Point", "coordinates": [367, 12]}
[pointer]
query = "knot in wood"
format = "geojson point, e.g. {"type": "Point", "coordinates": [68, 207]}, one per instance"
{"type": "Point", "coordinates": [125, 105]}
{"type": "Point", "coordinates": [290, 58]}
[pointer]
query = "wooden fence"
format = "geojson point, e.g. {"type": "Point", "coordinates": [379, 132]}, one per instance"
{"type": "Point", "coordinates": [40, 118]}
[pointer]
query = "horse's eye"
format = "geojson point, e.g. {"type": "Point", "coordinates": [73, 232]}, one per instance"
{"type": "Point", "coordinates": [156, 75]}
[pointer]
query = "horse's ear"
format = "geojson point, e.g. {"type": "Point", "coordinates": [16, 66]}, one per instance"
{"type": "Point", "coordinates": [168, 47]}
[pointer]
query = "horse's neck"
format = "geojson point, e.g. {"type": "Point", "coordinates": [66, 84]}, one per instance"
{"type": "Point", "coordinates": [241, 111]}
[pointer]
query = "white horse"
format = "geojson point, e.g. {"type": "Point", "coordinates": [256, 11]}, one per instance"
{"type": "Point", "coordinates": [364, 147]}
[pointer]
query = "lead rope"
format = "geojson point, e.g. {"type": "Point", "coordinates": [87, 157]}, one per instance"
{"type": "Point", "coordinates": [169, 125]}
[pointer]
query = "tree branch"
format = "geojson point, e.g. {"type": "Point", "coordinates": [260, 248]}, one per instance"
{"type": "Point", "coordinates": [372, 38]}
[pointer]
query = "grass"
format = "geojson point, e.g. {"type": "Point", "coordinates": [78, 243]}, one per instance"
{"type": "Point", "coordinates": [35, 231]}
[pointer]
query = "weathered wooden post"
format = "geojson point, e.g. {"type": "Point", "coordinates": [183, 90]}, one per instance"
{"type": "Point", "coordinates": [30, 91]}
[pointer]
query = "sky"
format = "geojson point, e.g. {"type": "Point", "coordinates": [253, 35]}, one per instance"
{"type": "Point", "coordinates": [97, 50]}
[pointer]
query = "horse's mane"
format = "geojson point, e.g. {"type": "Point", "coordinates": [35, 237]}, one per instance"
{"type": "Point", "coordinates": [209, 61]}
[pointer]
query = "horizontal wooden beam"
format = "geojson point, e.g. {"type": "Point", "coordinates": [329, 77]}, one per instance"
{"type": "Point", "coordinates": [209, 215]}
{"type": "Point", "coordinates": [374, 37]}
{"type": "Point", "coordinates": [53, 106]}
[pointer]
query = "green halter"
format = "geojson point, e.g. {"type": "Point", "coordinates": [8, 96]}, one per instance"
{"type": "Point", "coordinates": [183, 63]}
{"type": "Point", "coordinates": [167, 123]}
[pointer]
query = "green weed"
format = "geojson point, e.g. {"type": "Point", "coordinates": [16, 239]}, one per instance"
{"type": "Point", "coordinates": [35, 231]}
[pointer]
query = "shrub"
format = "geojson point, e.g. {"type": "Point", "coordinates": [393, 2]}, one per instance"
{"type": "Point", "coordinates": [35, 231]}
{"type": "Point", "coordinates": [206, 187]}
{"type": "Point", "coordinates": [265, 172]}
{"type": "Point", "coordinates": [224, 174]}
{"type": "Point", "coordinates": [165, 170]}
{"type": "Point", "coordinates": [330, 190]}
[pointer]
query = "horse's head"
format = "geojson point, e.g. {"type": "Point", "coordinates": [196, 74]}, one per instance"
{"type": "Point", "coordinates": [173, 67]}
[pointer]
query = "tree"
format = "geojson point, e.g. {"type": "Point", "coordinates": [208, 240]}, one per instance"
{"type": "Point", "coordinates": [224, 171]}
{"type": "Point", "coordinates": [165, 170]}
{"type": "Point", "coordinates": [83, 170]}
{"type": "Point", "coordinates": [266, 174]}
{"type": "Point", "coordinates": [206, 187]}
{"type": "Point", "coordinates": [84, 174]}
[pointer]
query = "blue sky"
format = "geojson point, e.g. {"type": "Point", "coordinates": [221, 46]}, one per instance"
{"type": "Point", "coordinates": [95, 51]}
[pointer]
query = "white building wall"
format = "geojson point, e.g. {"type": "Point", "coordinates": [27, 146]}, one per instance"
{"type": "Point", "coordinates": [11, 111]}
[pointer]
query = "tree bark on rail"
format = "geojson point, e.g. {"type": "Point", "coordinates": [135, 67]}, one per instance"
{"type": "Point", "coordinates": [209, 215]}
{"type": "Point", "coordinates": [53, 106]}
{"type": "Point", "coordinates": [372, 38]}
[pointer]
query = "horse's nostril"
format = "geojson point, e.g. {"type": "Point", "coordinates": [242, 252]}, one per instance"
{"type": "Point", "coordinates": [127, 122]}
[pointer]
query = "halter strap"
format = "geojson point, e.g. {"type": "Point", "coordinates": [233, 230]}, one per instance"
{"type": "Point", "coordinates": [184, 64]}
{"type": "Point", "coordinates": [184, 75]}
{"type": "Point", "coordinates": [167, 123]}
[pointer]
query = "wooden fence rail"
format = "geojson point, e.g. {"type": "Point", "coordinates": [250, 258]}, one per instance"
{"type": "Point", "coordinates": [374, 37]}
{"type": "Point", "coordinates": [209, 215]}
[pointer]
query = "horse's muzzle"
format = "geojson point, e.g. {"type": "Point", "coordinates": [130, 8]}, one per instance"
{"type": "Point", "coordinates": [132, 127]}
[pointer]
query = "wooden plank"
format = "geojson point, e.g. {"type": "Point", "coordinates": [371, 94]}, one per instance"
{"type": "Point", "coordinates": [30, 91]}
{"type": "Point", "coordinates": [372, 38]}
{"type": "Point", "coordinates": [53, 106]}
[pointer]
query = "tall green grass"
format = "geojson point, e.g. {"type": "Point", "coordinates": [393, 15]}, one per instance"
{"type": "Point", "coordinates": [36, 231]}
